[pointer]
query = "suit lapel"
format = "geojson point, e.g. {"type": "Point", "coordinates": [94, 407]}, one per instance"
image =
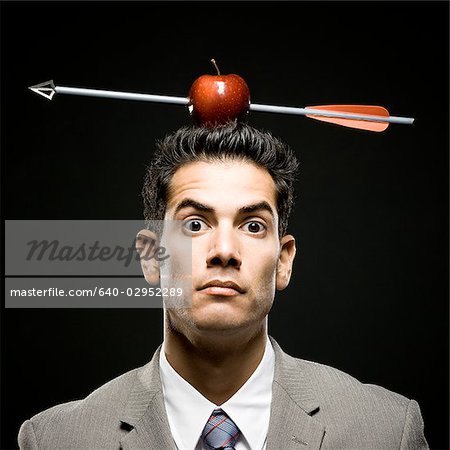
{"type": "Point", "coordinates": [292, 425]}
{"type": "Point", "coordinates": [152, 432]}
{"type": "Point", "coordinates": [145, 412]}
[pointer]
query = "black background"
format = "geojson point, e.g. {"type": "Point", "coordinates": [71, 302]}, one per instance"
{"type": "Point", "coordinates": [370, 291]}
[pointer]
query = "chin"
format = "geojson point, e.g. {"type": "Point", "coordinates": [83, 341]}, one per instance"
{"type": "Point", "coordinates": [219, 321]}
{"type": "Point", "coordinates": [222, 326]}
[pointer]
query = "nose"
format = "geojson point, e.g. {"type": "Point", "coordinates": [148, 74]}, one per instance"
{"type": "Point", "coordinates": [224, 248]}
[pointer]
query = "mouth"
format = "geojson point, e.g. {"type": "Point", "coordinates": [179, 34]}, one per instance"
{"type": "Point", "coordinates": [223, 288]}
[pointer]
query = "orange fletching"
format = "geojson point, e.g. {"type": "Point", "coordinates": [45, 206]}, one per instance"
{"type": "Point", "coordinates": [354, 109]}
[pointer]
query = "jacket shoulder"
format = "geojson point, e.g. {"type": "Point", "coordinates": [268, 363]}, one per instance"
{"type": "Point", "coordinates": [369, 415]}
{"type": "Point", "coordinates": [93, 422]}
{"type": "Point", "coordinates": [331, 383]}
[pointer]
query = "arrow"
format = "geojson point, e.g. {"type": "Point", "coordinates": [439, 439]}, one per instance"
{"type": "Point", "coordinates": [372, 118]}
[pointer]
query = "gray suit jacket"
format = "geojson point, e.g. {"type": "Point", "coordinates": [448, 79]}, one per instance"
{"type": "Point", "coordinates": [313, 407]}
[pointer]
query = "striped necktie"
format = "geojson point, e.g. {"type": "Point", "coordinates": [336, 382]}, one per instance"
{"type": "Point", "coordinates": [220, 432]}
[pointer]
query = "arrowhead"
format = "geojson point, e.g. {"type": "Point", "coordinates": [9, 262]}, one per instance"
{"type": "Point", "coordinates": [46, 89]}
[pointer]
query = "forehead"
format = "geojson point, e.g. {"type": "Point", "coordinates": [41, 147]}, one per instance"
{"type": "Point", "coordinates": [225, 184]}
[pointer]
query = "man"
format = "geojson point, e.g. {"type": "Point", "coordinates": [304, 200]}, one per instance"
{"type": "Point", "coordinates": [219, 381]}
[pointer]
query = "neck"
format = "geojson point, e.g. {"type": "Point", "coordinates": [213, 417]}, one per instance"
{"type": "Point", "coordinates": [203, 359]}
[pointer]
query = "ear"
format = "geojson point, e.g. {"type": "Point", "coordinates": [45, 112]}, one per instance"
{"type": "Point", "coordinates": [146, 245]}
{"type": "Point", "coordinates": [285, 261]}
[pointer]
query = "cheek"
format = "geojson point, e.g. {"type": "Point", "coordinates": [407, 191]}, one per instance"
{"type": "Point", "coordinates": [262, 270]}
{"type": "Point", "coordinates": [199, 249]}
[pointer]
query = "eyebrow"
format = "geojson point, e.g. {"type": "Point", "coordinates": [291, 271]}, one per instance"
{"type": "Point", "coordinates": [189, 203]}
{"type": "Point", "coordinates": [261, 206]}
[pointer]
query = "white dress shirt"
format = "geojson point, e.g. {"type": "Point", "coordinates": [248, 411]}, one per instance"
{"type": "Point", "coordinates": [188, 410]}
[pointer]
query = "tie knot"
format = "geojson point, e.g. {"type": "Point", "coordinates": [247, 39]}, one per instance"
{"type": "Point", "coordinates": [220, 432]}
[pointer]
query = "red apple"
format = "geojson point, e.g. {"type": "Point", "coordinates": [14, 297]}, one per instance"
{"type": "Point", "coordinates": [217, 99]}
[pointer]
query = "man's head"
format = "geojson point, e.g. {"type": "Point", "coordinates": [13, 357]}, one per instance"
{"type": "Point", "coordinates": [231, 188]}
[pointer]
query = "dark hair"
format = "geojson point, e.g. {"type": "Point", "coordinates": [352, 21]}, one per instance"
{"type": "Point", "coordinates": [235, 141]}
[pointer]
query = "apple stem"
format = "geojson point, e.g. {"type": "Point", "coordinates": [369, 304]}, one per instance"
{"type": "Point", "coordinates": [215, 65]}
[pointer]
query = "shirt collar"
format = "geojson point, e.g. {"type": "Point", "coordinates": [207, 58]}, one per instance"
{"type": "Point", "coordinates": [188, 410]}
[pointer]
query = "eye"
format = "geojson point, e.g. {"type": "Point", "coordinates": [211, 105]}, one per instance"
{"type": "Point", "coordinates": [194, 225]}
{"type": "Point", "coordinates": [254, 227]}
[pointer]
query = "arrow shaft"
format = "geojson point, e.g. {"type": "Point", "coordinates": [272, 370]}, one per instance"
{"type": "Point", "coordinates": [319, 112]}
{"type": "Point", "coordinates": [121, 95]}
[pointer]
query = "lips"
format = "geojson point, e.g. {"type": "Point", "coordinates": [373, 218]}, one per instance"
{"type": "Point", "coordinates": [218, 287]}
